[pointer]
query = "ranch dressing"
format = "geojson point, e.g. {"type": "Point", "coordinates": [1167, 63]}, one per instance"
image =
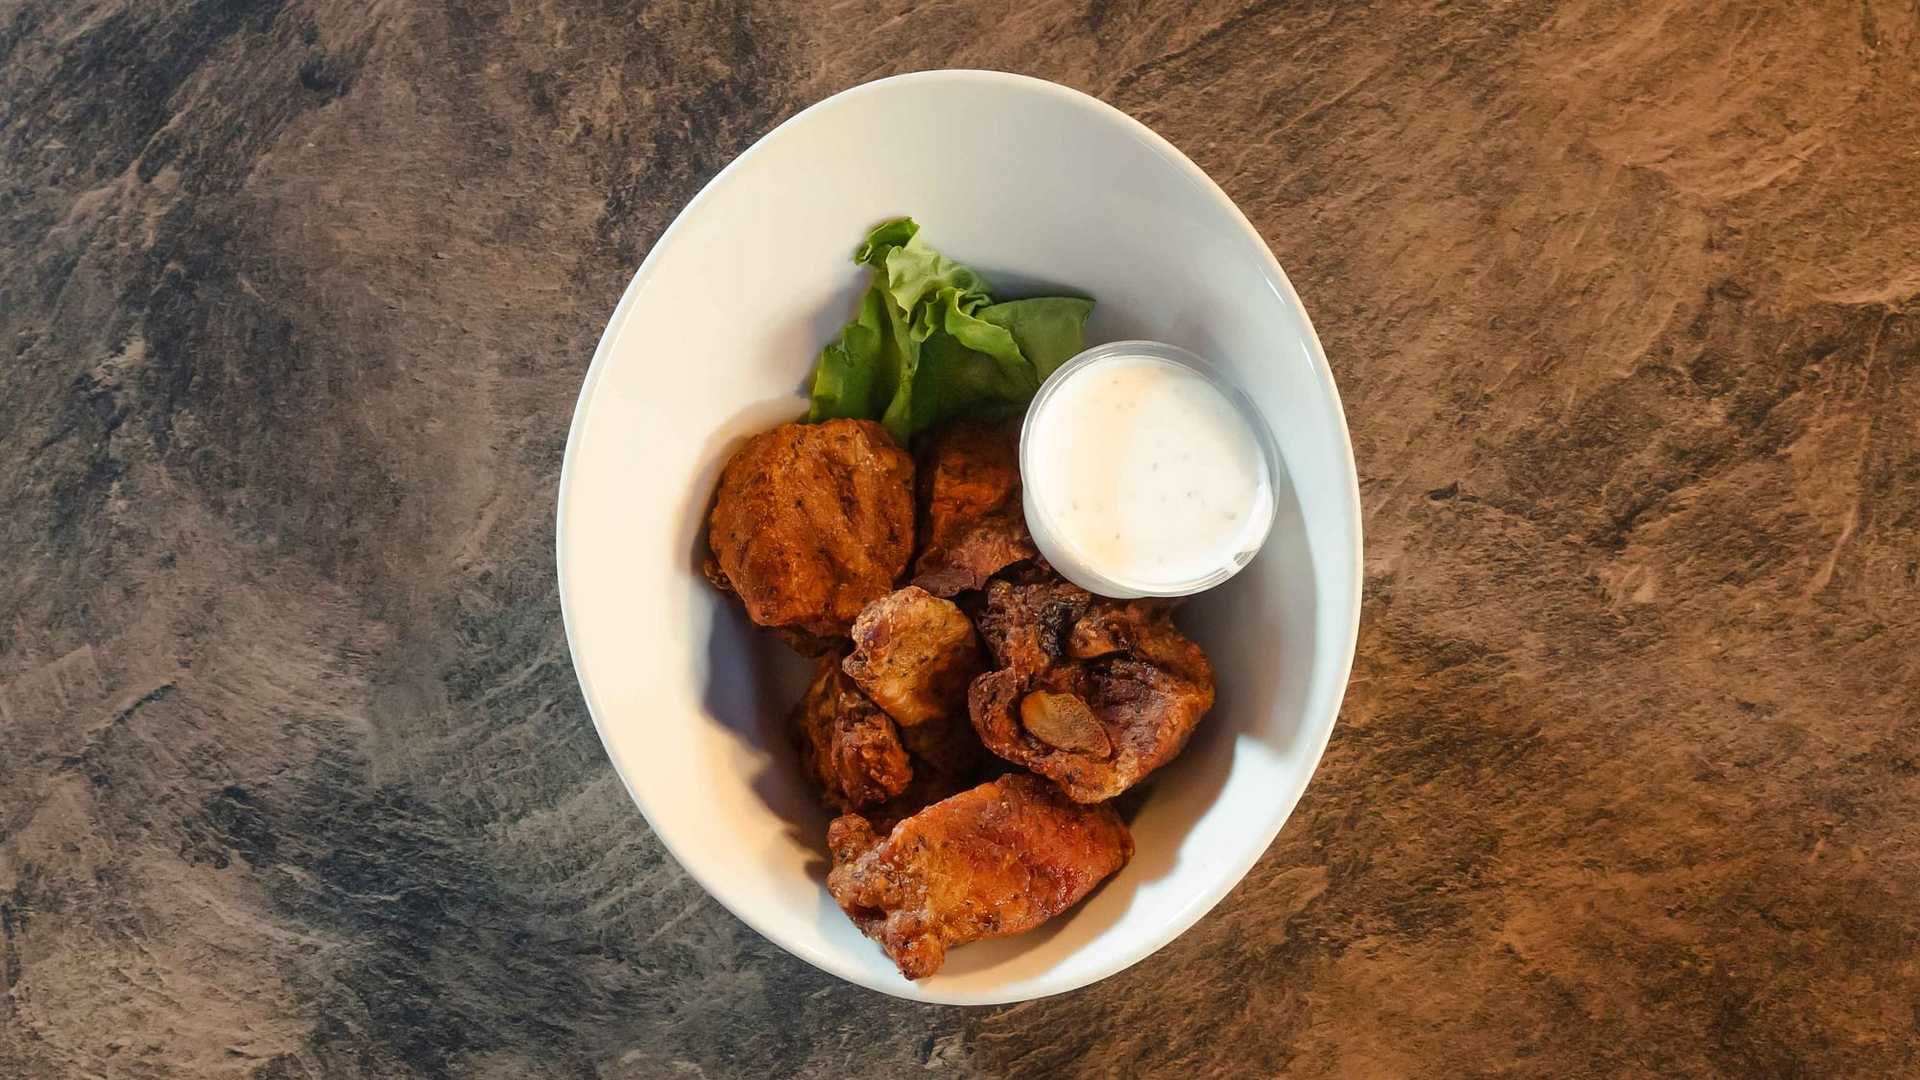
{"type": "Point", "coordinates": [1145, 475]}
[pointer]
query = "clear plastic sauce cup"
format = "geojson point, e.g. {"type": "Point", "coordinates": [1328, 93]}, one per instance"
{"type": "Point", "coordinates": [1145, 473]}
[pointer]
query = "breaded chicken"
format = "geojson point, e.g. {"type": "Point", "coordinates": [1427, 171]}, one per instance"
{"type": "Point", "coordinates": [847, 744]}
{"type": "Point", "coordinates": [811, 522]}
{"type": "Point", "coordinates": [999, 859]}
{"type": "Point", "coordinates": [914, 654]}
{"type": "Point", "coordinates": [971, 522]}
{"type": "Point", "coordinates": [1027, 626]}
{"type": "Point", "coordinates": [1092, 694]}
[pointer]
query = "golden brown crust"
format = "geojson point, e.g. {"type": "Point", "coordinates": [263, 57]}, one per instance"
{"type": "Point", "coordinates": [947, 759]}
{"type": "Point", "coordinates": [999, 859]}
{"type": "Point", "coordinates": [971, 522]}
{"type": "Point", "coordinates": [810, 523]}
{"type": "Point", "coordinates": [1146, 685]}
{"type": "Point", "coordinates": [849, 747]}
{"type": "Point", "coordinates": [914, 654]}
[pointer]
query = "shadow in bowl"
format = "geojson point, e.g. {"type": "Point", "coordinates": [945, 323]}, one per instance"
{"type": "Point", "coordinates": [1008, 285]}
{"type": "Point", "coordinates": [1248, 630]}
{"type": "Point", "coordinates": [751, 680]}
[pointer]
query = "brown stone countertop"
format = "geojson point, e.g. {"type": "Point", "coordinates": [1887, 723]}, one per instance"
{"type": "Point", "coordinates": [295, 298]}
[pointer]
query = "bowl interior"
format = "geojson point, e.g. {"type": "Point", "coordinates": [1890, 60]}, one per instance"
{"type": "Point", "coordinates": [1043, 190]}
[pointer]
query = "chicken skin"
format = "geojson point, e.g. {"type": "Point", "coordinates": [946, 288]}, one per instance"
{"type": "Point", "coordinates": [810, 523]}
{"type": "Point", "coordinates": [941, 777]}
{"type": "Point", "coordinates": [1092, 694]}
{"type": "Point", "coordinates": [1027, 626]}
{"type": "Point", "coordinates": [999, 859]}
{"type": "Point", "coordinates": [915, 654]}
{"type": "Point", "coordinates": [971, 522]}
{"type": "Point", "coordinates": [849, 747]}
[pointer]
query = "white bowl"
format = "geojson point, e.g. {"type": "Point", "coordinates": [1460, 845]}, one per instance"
{"type": "Point", "coordinates": [1042, 189]}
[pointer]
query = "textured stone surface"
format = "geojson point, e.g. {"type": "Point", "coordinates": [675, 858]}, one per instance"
{"type": "Point", "coordinates": [1624, 299]}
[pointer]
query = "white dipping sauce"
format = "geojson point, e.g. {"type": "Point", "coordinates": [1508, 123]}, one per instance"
{"type": "Point", "coordinates": [1143, 472]}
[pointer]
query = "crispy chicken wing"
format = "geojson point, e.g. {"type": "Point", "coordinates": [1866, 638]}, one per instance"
{"type": "Point", "coordinates": [914, 654]}
{"type": "Point", "coordinates": [851, 748]}
{"type": "Point", "coordinates": [1093, 694]}
{"type": "Point", "coordinates": [999, 859]}
{"type": "Point", "coordinates": [810, 523]}
{"type": "Point", "coordinates": [971, 522]}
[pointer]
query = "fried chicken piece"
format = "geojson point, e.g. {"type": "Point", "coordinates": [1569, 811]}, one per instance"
{"type": "Point", "coordinates": [930, 785]}
{"type": "Point", "coordinates": [947, 759]}
{"type": "Point", "coordinates": [915, 654]}
{"type": "Point", "coordinates": [948, 750]}
{"type": "Point", "coordinates": [810, 523]}
{"type": "Point", "coordinates": [971, 522]}
{"type": "Point", "coordinates": [850, 747]}
{"type": "Point", "coordinates": [1092, 694]}
{"type": "Point", "coordinates": [999, 859]}
{"type": "Point", "coordinates": [1028, 626]}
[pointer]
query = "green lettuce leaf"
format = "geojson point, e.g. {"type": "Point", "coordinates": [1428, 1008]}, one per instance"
{"type": "Point", "coordinates": [1050, 330]}
{"type": "Point", "coordinates": [846, 381]}
{"type": "Point", "coordinates": [928, 343]}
